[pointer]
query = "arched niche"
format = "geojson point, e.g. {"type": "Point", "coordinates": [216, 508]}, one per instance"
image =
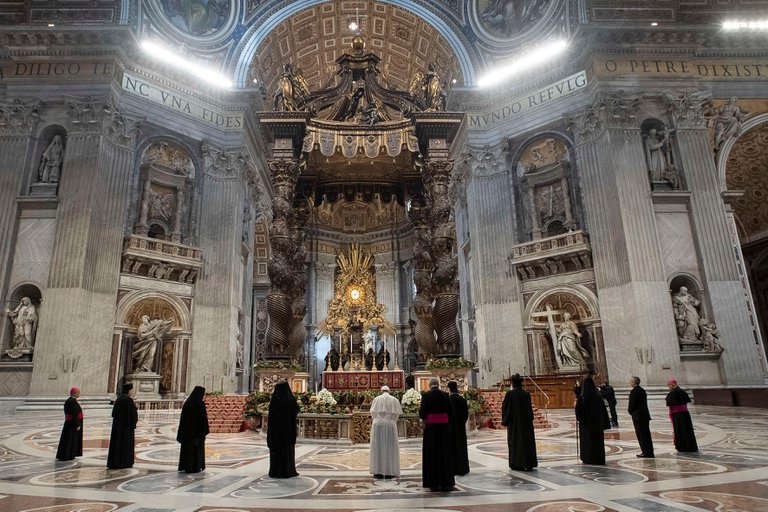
{"type": "Point", "coordinates": [552, 350]}
{"type": "Point", "coordinates": [48, 161]}
{"type": "Point", "coordinates": [691, 313]}
{"type": "Point", "coordinates": [171, 357]}
{"type": "Point", "coordinates": [23, 316]}
{"type": "Point", "coordinates": [545, 187]}
{"type": "Point", "coordinates": [167, 172]}
{"type": "Point", "coordinates": [661, 161]}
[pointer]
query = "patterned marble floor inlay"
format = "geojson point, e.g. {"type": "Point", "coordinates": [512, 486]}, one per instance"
{"type": "Point", "coordinates": [729, 474]}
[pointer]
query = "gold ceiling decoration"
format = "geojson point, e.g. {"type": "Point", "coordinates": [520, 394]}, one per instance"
{"type": "Point", "coordinates": [350, 143]}
{"type": "Point", "coordinates": [354, 298]}
{"type": "Point", "coordinates": [746, 170]}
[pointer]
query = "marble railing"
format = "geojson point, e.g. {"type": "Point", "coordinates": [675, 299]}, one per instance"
{"type": "Point", "coordinates": [161, 259]}
{"type": "Point", "coordinates": [569, 252]}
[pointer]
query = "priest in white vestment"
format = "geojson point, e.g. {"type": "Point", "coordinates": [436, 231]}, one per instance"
{"type": "Point", "coordinates": [385, 449]}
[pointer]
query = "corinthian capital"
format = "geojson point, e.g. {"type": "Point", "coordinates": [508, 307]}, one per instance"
{"type": "Point", "coordinates": [283, 170]}
{"type": "Point", "coordinates": [221, 163]}
{"type": "Point", "coordinates": [486, 160]}
{"type": "Point", "coordinates": [86, 114]}
{"type": "Point", "coordinates": [119, 128]}
{"type": "Point", "coordinates": [689, 109]}
{"type": "Point", "coordinates": [617, 110]}
{"type": "Point", "coordinates": [18, 116]}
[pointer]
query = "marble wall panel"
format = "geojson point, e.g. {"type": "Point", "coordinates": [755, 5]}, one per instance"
{"type": "Point", "coordinates": [32, 254]}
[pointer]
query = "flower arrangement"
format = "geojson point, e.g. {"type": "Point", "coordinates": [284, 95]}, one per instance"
{"type": "Point", "coordinates": [447, 363]}
{"type": "Point", "coordinates": [476, 403]}
{"type": "Point", "coordinates": [325, 398]}
{"type": "Point", "coordinates": [277, 364]}
{"type": "Point", "coordinates": [411, 401]}
{"type": "Point", "coordinates": [256, 404]}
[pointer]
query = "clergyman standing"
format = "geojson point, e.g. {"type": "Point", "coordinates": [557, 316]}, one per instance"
{"type": "Point", "coordinates": [437, 445]}
{"type": "Point", "coordinates": [71, 441]}
{"type": "Point", "coordinates": [385, 447]}
{"type": "Point", "coordinates": [517, 416]}
{"type": "Point", "coordinates": [609, 396]}
{"type": "Point", "coordinates": [193, 427]}
{"type": "Point", "coordinates": [459, 430]}
{"type": "Point", "coordinates": [641, 417]}
{"type": "Point", "coordinates": [677, 401]}
{"type": "Point", "coordinates": [122, 438]}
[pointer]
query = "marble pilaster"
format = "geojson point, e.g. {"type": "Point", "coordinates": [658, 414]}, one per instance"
{"type": "Point", "coordinates": [82, 283]}
{"type": "Point", "coordinates": [742, 358]}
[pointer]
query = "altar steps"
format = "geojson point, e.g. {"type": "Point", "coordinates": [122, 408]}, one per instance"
{"type": "Point", "coordinates": [495, 400]}
{"type": "Point", "coordinates": [225, 413]}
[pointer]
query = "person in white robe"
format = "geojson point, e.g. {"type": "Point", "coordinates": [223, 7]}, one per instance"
{"type": "Point", "coordinates": [385, 449]}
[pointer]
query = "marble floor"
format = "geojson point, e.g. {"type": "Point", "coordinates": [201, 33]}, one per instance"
{"type": "Point", "coordinates": [729, 474]}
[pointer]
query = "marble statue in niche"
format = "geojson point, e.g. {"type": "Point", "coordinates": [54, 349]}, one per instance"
{"type": "Point", "coordinates": [49, 170]}
{"type": "Point", "coordinates": [687, 317]}
{"type": "Point", "coordinates": [150, 334]}
{"type": "Point", "coordinates": [24, 318]}
{"type": "Point", "coordinates": [728, 120]}
{"type": "Point", "coordinates": [197, 17]}
{"type": "Point", "coordinates": [660, 160]}
{"type": "Point", "coordinates": [570, 353]}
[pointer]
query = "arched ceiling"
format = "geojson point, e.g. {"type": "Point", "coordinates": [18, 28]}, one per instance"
{"type": "Point", "coordinates": [312, 39]}
{"type": "Point", "coordinates": [747, 170]}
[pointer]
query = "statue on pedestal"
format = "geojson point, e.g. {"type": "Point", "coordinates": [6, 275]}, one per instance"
{"type": "Point", "coordinates": [658, 154]}
{"type": "Point", "coordinates": [24, 318]}
{"type": "Point", "coordinates": [50, 163]}
{"type": "Point", "coordinates": [150, 333]}
{"type": "Point", "coordinates": [332, 360]}
{"type": "Point", "coordinates": [382, 359]}
{"type": "Point", "coordinates": [568, 348]}
{"type": "Point", "coordinates": [687, 318]}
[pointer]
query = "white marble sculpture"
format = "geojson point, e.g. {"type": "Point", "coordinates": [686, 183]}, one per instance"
{"type": "Point", "coordinates": [728, 122]}
{"type": "Point", "coordinates": [709, 336]}
{"type": "Point", "coordinates": [686, 315]}
{"type": "Point", "coordinates": [658, 152]}
{"type": "Point", "coordinates": [150, 334]}
{"type": "Point", "coordinates": [24, 318]}
{"type": "Point", "coordinates": [50, 163]}
{"type": "Point", "coordinates": [569, 349]}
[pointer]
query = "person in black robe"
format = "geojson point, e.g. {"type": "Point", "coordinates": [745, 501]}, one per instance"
{"type": "Point", "coordinates": [124, 420]}
{"type": "Point", "coordinates": [71, 441]}
{"type": "Point", "coordinates": [193, 427]}
{"type": "Point", "coordinates": [437, 443]}
{"type": "Point", "coordinates": [517, 416]}
{"type": "Point", "coordinates": [370, 358]}
{"type": "Point", "coordinates": [281, 432]}
{"type": "Point", "coordinates": [641, 417]}
{"type": "Point", "coordinates": [382, 359]}
{"type": "Point", "coordinates": [609, 397]}
{"type": "Point", "coordinates": [592, 421]}
{"type": "Point", "coordinates": [459, 430]}
{"type": "Point", "coordinates": [677, 401]}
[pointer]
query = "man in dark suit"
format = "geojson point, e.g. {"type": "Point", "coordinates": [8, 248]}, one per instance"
{"type": "Point", "coordinates": [641, 418]}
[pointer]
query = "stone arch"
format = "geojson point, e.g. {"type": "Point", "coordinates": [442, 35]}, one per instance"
{"type": "Point", "coordinates": [132, 304]}
{"type": "Point", "coordinates": [542, 179]}
{"type": "Point", "coordinates": [722, 155]}
{"type": "Point", "coordinates": [261, 29]}
{"type": "Point", "coordinates": [33, 291]}
{"type": "Point", "coordinates": [545, 312]}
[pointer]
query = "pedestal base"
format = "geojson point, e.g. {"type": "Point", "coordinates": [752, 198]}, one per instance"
{"type": "Point", "coordinates": [43, 189]}
{"type": "Point", "coordinates": [268, 377]}
{"type": "Point", "coordinates": [147, 385]}
{"type": "Point", "coordinates": [444, 375]}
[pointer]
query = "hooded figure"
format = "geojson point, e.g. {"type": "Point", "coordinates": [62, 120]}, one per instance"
{"type": "Point", "coordinates": [281, 432]}
{"type": "Point", "coordinates": [385, 448]}
{"type": "Point", "coordinates": [193, 427]}
{"type": "Point", "coordinates": [71, 441]}
{"type": "Point", "coordinates": [593, 420]}
{"type": "Point", "coordinates": [459, 430]}
{"type": "Point", "coordinates": [121, 440]}
{"type": "Point", "coordinates": [517, 416]}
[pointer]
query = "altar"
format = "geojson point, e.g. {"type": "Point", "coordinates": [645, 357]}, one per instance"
{"type": "Point", "coordinates": [363, 380]}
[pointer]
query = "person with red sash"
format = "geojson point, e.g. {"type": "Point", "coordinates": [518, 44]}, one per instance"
{"type": "Point", "coordinates": [677, 401]}
{"type": "Point", "coordinates": [437, 446]}
{"type": "Point", "coordinates": [71, 441]}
